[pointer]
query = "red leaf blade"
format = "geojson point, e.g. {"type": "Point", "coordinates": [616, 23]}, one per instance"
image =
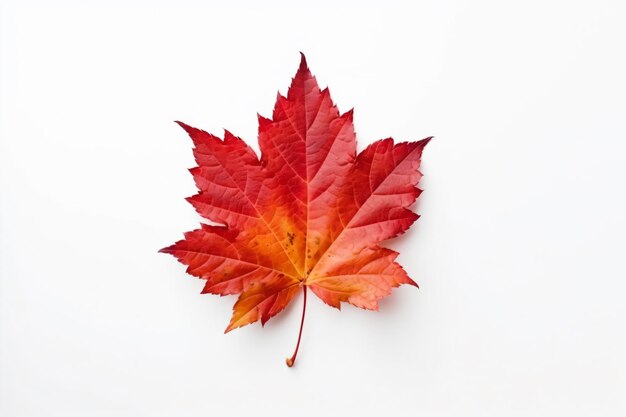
{"type": "Point", "coordinates": [309, 213]}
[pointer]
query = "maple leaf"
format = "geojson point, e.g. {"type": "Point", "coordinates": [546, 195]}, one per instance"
{"type": "Point", "coordinates": [309, 214]}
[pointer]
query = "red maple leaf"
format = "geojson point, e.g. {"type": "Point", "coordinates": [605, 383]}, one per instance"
{"type": "Point", "coordinates": [309, 214]}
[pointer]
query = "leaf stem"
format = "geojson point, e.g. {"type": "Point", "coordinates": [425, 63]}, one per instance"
{"type": "Point", "coordinates": [291, 361]}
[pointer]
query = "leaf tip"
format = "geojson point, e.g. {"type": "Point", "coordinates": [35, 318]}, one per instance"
{"type": "Point", "coordinates": [165, 250]}
{"type": "Point", "coordinates": [425, 141]}
{"type": "Point", "coordinates": [190, 130]}
{"type": "Point", "coordinates": [303, 63]}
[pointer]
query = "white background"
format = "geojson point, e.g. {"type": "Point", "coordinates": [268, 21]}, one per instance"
{"type": "Point", "coordinates": [519, 251]}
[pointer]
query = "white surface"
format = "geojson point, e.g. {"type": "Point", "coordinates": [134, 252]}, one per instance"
{"type": "Point", "coordinates": [519, 253]}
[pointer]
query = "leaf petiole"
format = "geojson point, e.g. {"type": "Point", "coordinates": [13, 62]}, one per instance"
{"type": "Point", "coordinates": [291, 361]}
